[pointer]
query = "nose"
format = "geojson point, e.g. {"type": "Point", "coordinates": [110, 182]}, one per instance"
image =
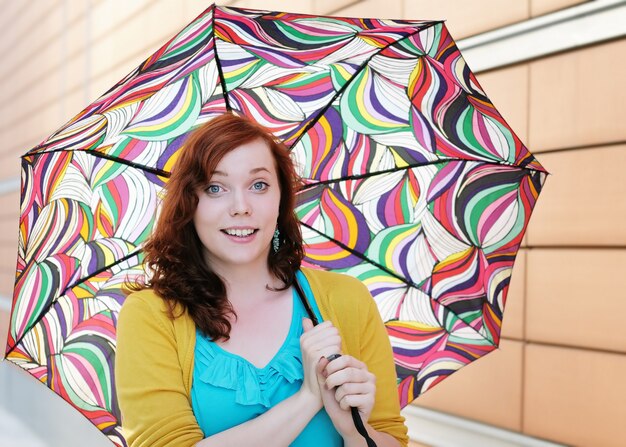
{"type": "Point", "coordinates": [240, 205]}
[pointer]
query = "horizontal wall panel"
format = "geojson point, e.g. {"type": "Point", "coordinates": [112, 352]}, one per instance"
{"type": "Point", "coordinates": [323, 7]}
{"type": "Point", "coordinates": [540, 7]}
{"type": "Point", "coordinates": [9, 235]}
{"type": "Point", "coordinates": [576, 297]}
{"type": "Point", "coordinates": [10, 164]}
{"type": "Point", "coordinates": [8, 249]}
{"type": "Point", "coordinates": [30, 131]}
{"type": "Point", "coordinates": [32, 55]}
{"type": "Point", "coordinates": [577, 98]}
{"type": "Point", "coordinates": [77, 40]}
{"type": "Point", "coordinates": [9, 239]}
{"type": "Point", "coordinates": [76, 72]}
{"type": "Point", "coordinates": [388, 9]}
{"type": "Point", "coordinates": [575, 397]}
{"type": "Point", "coordinates": [465, 18]}
{"type": "Point", "coordinates": [16, 42]}
{"type": "Point", "coordinates": [139, 31]}
{"type": "Point", "coordinates": [4, 328]}
{"type": "Point", "coordinates": [28, 101]}
{"type": "Point", "coordinates": [137, 37]}
{"type": "Point", "coordinates": [7, 281]}
{"type": "Point", "coordinates": [583, 201]}
{"type": "Point", "coordinates": [117, 15]}
{"type": "Point", "coordinates": [77, 11]}
{"type": "Point", "coordinates": [487, 390]}
{"type": "Point", "coordinates": [11, 13]}
{"type": "Point", "coordinates": [301, 6]}
{"type": "Point", "coordinates": [10, 203]}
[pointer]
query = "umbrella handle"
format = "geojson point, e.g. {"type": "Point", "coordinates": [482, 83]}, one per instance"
{"type": "Point", "coordinates": [358, 423]}
{"type": "Point", "coordinates": [305, 302]}
{"type": "Point", "coordinates": [356, 416]}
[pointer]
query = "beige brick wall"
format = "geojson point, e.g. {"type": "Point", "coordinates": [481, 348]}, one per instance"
{"type": "Point", "coordinates": [558, 373]}
{"type": "Point", "coordinates": [466, 18]}
{"type": "Point", "coordinates": [540, 7]}
{"type": "Point", "coordinates": [576, 97]}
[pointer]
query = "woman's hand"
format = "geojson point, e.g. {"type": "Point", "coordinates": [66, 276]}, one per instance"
{"type": "Point", "coordinates": [316, 343]}
{"type": "Point", "coordinates": [346, 383]}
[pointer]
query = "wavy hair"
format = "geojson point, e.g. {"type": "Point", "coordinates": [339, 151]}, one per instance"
{"type": "Point", "coordinates": [173, 252]}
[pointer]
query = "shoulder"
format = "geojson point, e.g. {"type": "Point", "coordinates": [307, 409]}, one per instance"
{"type": "Point", "coordinates": [146, 307]}
{"type": "Point", "coordinates": [143, 301]}
{"type": "Point", "coordinates": [332, 280]}
{"type": "Point", "coordinates": [337, 289]}
{"type": "Point", "coordinates": [145, 315]}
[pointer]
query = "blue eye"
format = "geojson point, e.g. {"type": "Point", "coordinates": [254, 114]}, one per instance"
{"type": "Point", "coordinates": [213, 189]}
{"type": "Point", "coordinates": [259, 186]}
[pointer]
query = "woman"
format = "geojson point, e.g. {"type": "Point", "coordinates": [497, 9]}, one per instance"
{"type": "Point", "coordinates": [216, 349]}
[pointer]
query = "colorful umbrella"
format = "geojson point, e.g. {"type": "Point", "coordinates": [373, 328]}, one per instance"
{"type": "Point", "coordinates": [414, 184]}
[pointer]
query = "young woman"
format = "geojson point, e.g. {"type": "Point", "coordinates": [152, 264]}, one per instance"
{"type": "Point", "coordinates": [216, 349]}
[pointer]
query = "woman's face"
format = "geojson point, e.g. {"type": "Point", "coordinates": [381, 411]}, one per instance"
{"type": "Point", "coordinates": [238, 208]}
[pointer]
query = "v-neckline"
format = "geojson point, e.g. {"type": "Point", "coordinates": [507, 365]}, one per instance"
{"type": "Point", "coordinates": [288, 337]}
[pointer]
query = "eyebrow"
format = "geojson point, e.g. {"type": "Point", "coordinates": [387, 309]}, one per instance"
{"type": "Point", "coordinates": [252, 171]}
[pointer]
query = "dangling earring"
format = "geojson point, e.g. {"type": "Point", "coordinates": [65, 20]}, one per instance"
{"type": "Point", "coordinates": [276, 240]}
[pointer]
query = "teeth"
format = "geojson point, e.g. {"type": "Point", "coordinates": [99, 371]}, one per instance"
{"type": "Point", "coordinates": [239, 233]}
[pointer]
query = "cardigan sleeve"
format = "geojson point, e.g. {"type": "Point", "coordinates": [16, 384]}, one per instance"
{"type": "Point", "coordinates": [347, 302]}
{"type": "Point", "coordinates": [155, 406]}
{"type": "Point", "coordinates": [376, 353]}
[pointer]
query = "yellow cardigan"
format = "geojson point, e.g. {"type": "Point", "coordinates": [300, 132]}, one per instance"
{"type": "Point", "coordinates": [154, 361]}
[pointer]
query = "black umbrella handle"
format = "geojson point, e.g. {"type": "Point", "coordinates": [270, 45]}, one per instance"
{"type": "Point", "coordinates": [305, 302]}
{"type": "Point", "coordinates": [356, 416]}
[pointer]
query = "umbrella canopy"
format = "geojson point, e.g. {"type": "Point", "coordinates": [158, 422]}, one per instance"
{"type": "Point", "coordinates": [414, 184]}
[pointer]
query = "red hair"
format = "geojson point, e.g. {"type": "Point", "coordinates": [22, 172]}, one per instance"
{"type": "Point", "coordinates": [173, 252]}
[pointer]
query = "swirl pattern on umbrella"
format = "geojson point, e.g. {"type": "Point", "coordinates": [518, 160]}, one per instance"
{"type": "Point", "coordinates": [414, 184]}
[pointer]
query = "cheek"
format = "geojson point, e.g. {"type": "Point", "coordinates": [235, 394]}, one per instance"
{"type": "Point", "coordinates": [275, 206]}
{"type": "Point", "coordinates": [204, 214]}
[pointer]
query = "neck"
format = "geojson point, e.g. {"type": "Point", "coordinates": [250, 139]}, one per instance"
{"type": "Point", "coordinates": [243, 282]}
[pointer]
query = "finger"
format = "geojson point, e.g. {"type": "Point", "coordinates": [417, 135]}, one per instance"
{"type": "Point", "coordinates": [314, 348]}
{"type": "Point", "coordinates": [320, 337]}
{"type": "Point", "coordinates": [360, 401]}
{"type": "Point", "coordinates": [343, 362]}
{"type": "Point", "coordinates": [307, 324]}
{"type": "Point", "coordinates": [362, 388]}
{"type": "Point", "coordinates": [348, 375]}
{"type": "Point", "coordinates": [312, 358]}
{"type": "Point", "coordinates": [321, 341]}
{"type": "Point", "coordinates": [321, 365]}
{"type": "Point", "coordinates": [310, 330]}
{"type": "Point", "coordinates": [328, 351]}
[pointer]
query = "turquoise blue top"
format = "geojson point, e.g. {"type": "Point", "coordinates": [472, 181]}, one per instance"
{"type": "Point", "coordinates": [228, 390]}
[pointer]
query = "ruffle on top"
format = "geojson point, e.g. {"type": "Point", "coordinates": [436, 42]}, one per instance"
{"type": "Point", "coordinates": [252, 385]}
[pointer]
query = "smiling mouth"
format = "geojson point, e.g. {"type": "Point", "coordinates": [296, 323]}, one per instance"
{"type": "Point", "coordinates": [240, 232]}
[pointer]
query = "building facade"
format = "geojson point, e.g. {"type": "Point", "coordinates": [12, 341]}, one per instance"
{"type": "Point", "coordinates": [553, 68]}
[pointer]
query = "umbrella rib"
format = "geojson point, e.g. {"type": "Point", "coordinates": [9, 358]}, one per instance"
{"type": "Point", "coordinates": [219, 65]}
{"type": "Point", "coordinates": [392, 273]}
{"type": "Point", "coordinates": [80, 281]}
{"type": "Point", "coordinates": [321, 112]}
{"type": "Point", "coordinates": [102, 269]}
{"type": "Point", "coordinates": [362, 256]}
{"type": "Point", "coordinates": [151, 170]}
{"type": "Point", "coordinates": [404, 168]}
